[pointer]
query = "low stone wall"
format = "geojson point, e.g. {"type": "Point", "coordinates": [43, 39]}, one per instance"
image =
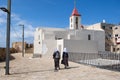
{"type": "Point", "coordinates": [106, 60]}
{"type": "Point", "coordinates": [109, 55]}
{"type": "Point", "coordinates": [2, 54]}
{"type": "Point", "coordinates": [75, 57]}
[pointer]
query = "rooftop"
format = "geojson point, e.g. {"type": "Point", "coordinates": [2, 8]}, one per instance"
{"type": "Point", "coordinates": [75, 12]}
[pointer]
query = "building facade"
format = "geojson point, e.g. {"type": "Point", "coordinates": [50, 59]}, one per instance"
{"type": "Point", "coordinates": [112, 35]}
{"type": "Point", "coordinates": [115, 39]}
{"type": "Point", "coordinates": [75, 39]}
{"type": "Point", "coordinates": [18, 47]}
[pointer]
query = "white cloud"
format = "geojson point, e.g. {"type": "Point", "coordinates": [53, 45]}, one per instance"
{"type": "Point", "coordinates": [0, 35]}
{"type": "Point", "coordinates": [28, 30]}
{"type": "Point", "coordinates": [16, 30]}
{"type": "Point", "coordinates": [2, 17]}
{"type": "Point", "coordinates": [2, 21]}
{"type": "Point", "coordinates": [2, 39]}
{"type": "Point", "coordinates": [15, 17]}
{"type": "Point", "coordinates": [2, 13]}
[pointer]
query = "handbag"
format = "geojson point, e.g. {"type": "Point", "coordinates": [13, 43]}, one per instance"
{"type": "Point", "coordinates": [62, 61]}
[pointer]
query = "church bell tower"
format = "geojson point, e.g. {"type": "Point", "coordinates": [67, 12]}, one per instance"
{"type": "Point", "coordinates": [75, 19]}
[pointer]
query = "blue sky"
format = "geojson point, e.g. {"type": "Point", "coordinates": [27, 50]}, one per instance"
{"type": "Point", "coordinates": [54, 13]}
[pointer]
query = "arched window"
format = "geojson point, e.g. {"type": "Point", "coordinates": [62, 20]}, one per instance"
{"type": "Point", "coordinates": [89, 37]}
{"type": "Point", "coordinates": [76, 22]}
{"type": "Point", "coordinates": [76, 19]}
{"type": "Point", "coordinates": [71, 20]}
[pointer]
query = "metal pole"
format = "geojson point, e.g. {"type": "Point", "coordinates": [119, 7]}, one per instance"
{"type": "Point", "coordinates": [22, 39]}
{"type": "Point", "coordinates": [8, 37]}
{"type": "Point", "coordinates": [23, 42]}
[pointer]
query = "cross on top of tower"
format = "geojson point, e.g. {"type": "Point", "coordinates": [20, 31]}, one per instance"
{"type": "Point", "coordinates": [75, 12]}
{"type": "Point", "coordinates": [74, 3]}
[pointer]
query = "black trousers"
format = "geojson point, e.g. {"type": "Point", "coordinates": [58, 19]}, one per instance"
{"type": "Point", "coordinates": [56, 63]}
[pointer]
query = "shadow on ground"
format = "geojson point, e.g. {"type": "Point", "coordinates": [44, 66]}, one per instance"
{"type": "Point", "coordinates": [42, 71]}
{"type": "Point", "coordinates": [111, 67]}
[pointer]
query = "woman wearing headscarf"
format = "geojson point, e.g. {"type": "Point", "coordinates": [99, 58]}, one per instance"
{"type": "Point", "coordinates": [56, 57]}
{"type": "Point", "coordinates": [65, 58]}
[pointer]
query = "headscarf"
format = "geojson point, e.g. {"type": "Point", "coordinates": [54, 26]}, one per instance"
{"type": "Point", "coordinates": [55, 49]}
{"type": "Point", "coordinates": [64, 50]}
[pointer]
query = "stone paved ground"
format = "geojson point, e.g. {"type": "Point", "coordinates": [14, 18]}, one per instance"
{"type": "Point", "coordinates": [28, 68]}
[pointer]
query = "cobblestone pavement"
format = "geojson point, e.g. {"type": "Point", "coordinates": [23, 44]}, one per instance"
{"type": "Point", "coordinates": [27, 68]}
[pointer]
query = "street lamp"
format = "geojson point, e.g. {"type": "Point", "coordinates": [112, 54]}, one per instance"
{"type": "Point", "coordinates": [4, 9]}
{"type": "Point", "coordinates": [22, 40]}
{"type": "Point", "coordinates": [8, 10]}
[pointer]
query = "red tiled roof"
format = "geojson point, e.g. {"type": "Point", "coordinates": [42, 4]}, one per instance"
{"type": "Point", "coordinates": [75, 12]}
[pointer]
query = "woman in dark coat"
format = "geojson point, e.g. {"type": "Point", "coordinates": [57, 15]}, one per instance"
{"type": "Point", "coordinates": [56, 57]}
{"type": "Point", "coordinates": [65, 57]}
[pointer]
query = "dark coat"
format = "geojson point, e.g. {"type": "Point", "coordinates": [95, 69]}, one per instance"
{"type": "Point", "coordinates": [65, 59]}
{"type": "Point", "coordinates": [56, 54]}
{"type": "Point", "coordinates": [65, 55]}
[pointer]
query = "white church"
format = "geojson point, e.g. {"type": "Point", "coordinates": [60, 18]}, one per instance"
{"type": "Point", "coordinates": [76, 39]}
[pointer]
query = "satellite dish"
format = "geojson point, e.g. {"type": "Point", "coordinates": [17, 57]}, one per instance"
{"type": "Point", "coordinates": [103, 21]}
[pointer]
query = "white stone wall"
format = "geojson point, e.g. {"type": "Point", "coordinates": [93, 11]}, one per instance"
{"type": "Point", "coordinates": [99, 36]}
{"type": "Point", "coordinates": [73, 22]}
{"type": "Point", "coordinates": [79, 46]}
{"type": "Point", "coordinates": [96, 26]}
{"type": "Point", "coordinates": [38, 41]}
{"type": "Point", "coordinates": [76, 38]}
{"type": "Point", "coordinates": [95, 35]}
{"type": "Point", "coordinates": [48, 47]}
{"type": "Point", "coordinates": [61, 34]}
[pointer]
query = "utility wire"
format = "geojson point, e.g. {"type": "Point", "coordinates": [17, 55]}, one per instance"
{"type": "Point", "coordinates": [16, 33]}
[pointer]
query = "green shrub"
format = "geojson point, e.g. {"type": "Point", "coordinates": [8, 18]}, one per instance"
{"type": "Point", "coordinates": [3, 53]}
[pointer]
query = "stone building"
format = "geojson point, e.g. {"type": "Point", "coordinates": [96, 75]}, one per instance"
{"type": "Point", "coordinates": [112, 35]}
{"type": "Point", "coordinates": [115, 39]}
{"type": "Point", "coordinates": [18, 46]}
{"type": "Point", "coordinates": [75, 39]}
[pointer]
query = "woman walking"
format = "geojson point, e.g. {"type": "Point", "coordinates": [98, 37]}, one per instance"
{"type": "Point", "coordinates": [65, 57]}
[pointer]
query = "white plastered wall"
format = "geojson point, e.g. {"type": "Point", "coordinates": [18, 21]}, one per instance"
{"type": "Point", "coordinates": [79, 46]}
{"type": "Point", "coordinates": [38, 41]}
{"type": "Point", "coordinates": [73, 22]}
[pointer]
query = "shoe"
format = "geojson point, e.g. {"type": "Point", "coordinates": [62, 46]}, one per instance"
{"type": "Point", "coordinates": [59, 68]}
{"type": "Point", "coordinates": [65, 67]}
{"type": "Point", "coordinates": [55, 70]}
